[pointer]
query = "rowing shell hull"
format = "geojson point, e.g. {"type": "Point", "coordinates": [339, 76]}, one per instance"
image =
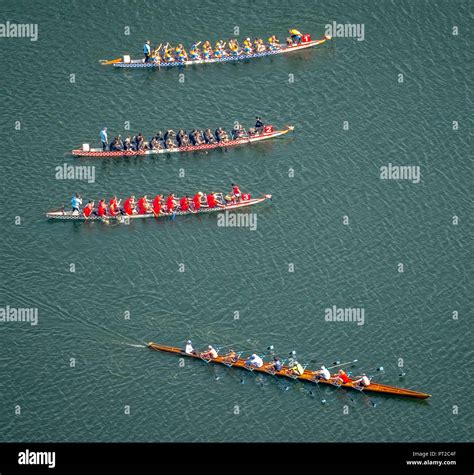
{"type": "Point", "coordinates": [306, 376]}
{"type": "Point", "coordinates": [68, 216]}
{"type": "Point", "coordinates": [99, 153]}
{"type": "Point", "coordinates": [139, 63]}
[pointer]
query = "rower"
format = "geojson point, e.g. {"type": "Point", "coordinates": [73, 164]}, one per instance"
{"type": "Point", "coordinates": [114, 206]}
{"type": "Point", "coordinates": [170, 203]}
{"type": "Point", "coordinates": [101, 209]}
{"type": "Point", "coordinates": [104, 139]}
{"type": "Point", "coordinates": [189, 348]}
{"type": "Point", "coordinates": [234, 47]}
{"type": "Point", "coordinates": [147, 51]}
{"type": "Point", "coordinates": [143, 205]}
{"type": "Point", "coordinates": [231, 357]}
{"type": "Point", "coordinates": [157, 204]}
{"type": "Point", "coordinates": [236, 193]}
{"type": "Point", "coordinates": [295, 36]}
{"type": "Point", "coordinates": [129, 206]}
{"type": "Point", "coordinates": [76, 203]}
{"type": "Point", "coordinates": [88, 209]}
{"type": "Point", "coordinates": [255, 361]}
{"type": "Point", "coordinates": [342, 377]}
{"type": "Point", "coordinates": [323, 373]}
{"type": "Point", "coordinates": [363, 382]}
{"type": "Point", "coordinates": [197, 200]}
{"type": "Point", "coordinates": [211, 353]}
{"type": "Point", "coordinates": [184, 203]}
{"type": "Point", "coordinates": [294, 368]}
{"type": "Point", "coordinates": [276, 365]}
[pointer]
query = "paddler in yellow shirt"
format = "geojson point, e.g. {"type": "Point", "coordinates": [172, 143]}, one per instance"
{"type": "Point", "coordinates": [207, 50]}
{"type": "Point", "coordinates": [181, 53]}
{"type": "Point", "coordinates": [295, 36]}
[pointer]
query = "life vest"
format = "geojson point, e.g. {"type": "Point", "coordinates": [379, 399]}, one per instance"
{"type": "Point", "coordinates": [157, 205]}
{"type": "Point", "coordinates": [102, 209]}
{"type": "Point", "coordinates": [87, 210]}
{"type": "Point", "coordinates": [127, 206]}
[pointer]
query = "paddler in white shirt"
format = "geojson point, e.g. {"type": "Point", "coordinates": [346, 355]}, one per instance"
{"type": "Point", "coordinates": [323, 373]}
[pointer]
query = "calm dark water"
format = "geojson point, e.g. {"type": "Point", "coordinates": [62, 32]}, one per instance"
{"type": "Point", "coordinates": [120, 269]}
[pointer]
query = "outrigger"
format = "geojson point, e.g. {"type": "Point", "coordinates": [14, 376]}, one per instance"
{"type": "Point", "coordinates": [294, 370]}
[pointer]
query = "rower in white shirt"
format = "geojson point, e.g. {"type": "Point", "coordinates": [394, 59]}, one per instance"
{"type": "Point", "coordinates": [189, 348]}
{"type": "Point", "coordinates": [255, 361]}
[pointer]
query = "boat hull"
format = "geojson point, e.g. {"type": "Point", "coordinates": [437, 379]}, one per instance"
{"type": "Point", "coordinates": [307, 376]}
{"type": "Point", "coordinates": [99, 153]}
{"type": "Point", "coordinates": [140, 64]}
{"type": "Point", "coordinates": [69, 216]}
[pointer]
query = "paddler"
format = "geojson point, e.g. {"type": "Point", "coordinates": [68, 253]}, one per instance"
{"type": "Point", "coordinates": [170, 203]}
{"type": "Point", "coordinates": [101, 209]}
{"type": "Point", "coordinates": [274, 42]}
{"type": "Point", "coordinates": [114, 204]}
{"type": "Point", "coordinates": [254, 360]}
{"type": "Point", "coordinates": [168, 56]}
{"type": "Point", "coordinates": [184, 203]}
{"type": "Point", "coordinates": [104, 139]}
{"type": "Point", "coordinates": [363, 382]}
{"type": "Point", "coordinates": [234, 47]}
{"type": "Point", "coordinates": [211, 353]}
{"type": "Point", "coordinates": [211, 200]}
{"type": "Point", "coordinates": [181, 53]}
{"type": "Point", "coordinates": [147, 50]}
{"type": "Point", "coordinates": [88, 209]}
{"type": "Point", "coordinates": [197, 200]}
{"type": "Point", "coordinates": [247, 45]}
{"type": "Point", "coordinates": [76, 203]}
{"type": "Point", "coordinates": [219, 50]}
{"type": "Point", "coordinates": [143, 205]}
{"type": "Point", "coordinates": [194, 51]}
{"type": "Point", "coordinates": [207, 50]}
{"type": "Point", "coordinates": [236, 193]}
{"type": "Point", "coordinates": [129, 206]}
{"type": "Point", "coordinates": [295, 36]}
{"type": "Point", "coordinates": [157, 204]}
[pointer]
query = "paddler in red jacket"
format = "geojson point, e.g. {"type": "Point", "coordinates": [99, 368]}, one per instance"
{"type": "Point", "coordinates": [88, 209]}
{"type": "Point", "coordinates": [236, 193]}
{"type": "Point", "coordinates": [114, 206]}
{"type": "Point", "coordinates": [212, 201]}
{"type": "Point", "coordinates": [129, 205]}
{"type": "Point", "coordinates": [184, 203]}
{"type": "Point", "coordinates": [197, 200]}
{"type": "Point", "coordinates": [342, 377]}
{"type": "Point", "coordinates": [101, 209]}
{"type": "Point", "coordinates": [157, 204]}
{"type": "Point", "coordinates": [170, 203]}
{"type": "Point", "coordinates": [143, 205]}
